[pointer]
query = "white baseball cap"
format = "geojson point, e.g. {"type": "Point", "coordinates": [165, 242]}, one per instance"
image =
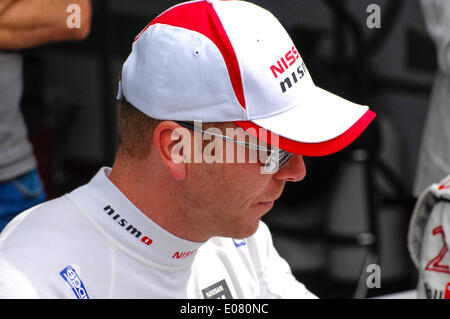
{"type": "Point", "coordinates": [223, 61]}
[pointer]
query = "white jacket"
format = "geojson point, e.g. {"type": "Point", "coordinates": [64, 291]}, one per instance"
{"type": "Point", "coordinates": [429, 240]}
{"type": "Point", "coordinates": [94, 243]}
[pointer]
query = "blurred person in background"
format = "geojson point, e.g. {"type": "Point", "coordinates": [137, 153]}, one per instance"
{"type": "Point", "coordinates": [429, 229]}
{"type": "Point", "coordinates": [434, 155]}
{"type": "Point", "coordinates": [26, 24]}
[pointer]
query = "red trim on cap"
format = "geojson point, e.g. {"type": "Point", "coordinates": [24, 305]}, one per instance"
{"type": "Point", "coordinates": [202, 18]}
{"type": "Point", "coordinates": [314, 149]}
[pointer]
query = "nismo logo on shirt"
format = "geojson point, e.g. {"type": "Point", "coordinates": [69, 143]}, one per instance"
{"type": "Point", "coordinates": [128, 227]}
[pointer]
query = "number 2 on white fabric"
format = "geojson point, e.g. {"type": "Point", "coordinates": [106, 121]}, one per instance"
{"type": "Point", "coordinates": [434, 264]}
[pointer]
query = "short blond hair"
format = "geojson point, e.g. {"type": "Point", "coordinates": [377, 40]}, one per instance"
{"type": "Point", "coordinates": [135, 130]}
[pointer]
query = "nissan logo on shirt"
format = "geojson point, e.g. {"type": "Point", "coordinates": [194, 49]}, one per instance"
{"type": "Point", "coordinates": [128, 227]}
{"type": "Point", "coordinates": [183, 254]}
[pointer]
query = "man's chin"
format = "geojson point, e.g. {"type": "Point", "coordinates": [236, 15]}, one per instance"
{"type": "Point", "coordinates": [266, 205]}
{"type": "Point", "coordinates": [246, 231]}
{"type": "Point", "coordinates": [241, 228]}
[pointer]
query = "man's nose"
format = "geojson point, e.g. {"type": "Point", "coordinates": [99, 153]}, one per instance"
{"type": "Point", "coordinates": [293, 171]}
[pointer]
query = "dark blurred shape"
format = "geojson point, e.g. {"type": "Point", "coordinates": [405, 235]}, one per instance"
{"type": "Point", "coordinates": [421, 52]}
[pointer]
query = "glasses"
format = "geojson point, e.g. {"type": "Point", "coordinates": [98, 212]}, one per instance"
{"type": "Point", "coordinates": [276, 158]}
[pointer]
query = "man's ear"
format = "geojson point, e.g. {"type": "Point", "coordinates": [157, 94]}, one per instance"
{"type": "Point", "coordinates": [174, 145]}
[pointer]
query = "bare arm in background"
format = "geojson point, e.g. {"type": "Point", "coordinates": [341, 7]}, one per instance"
{"type": "Point", "coordinates": [28, 23]}
{"type": "Point", "coordinates": [4, 4]}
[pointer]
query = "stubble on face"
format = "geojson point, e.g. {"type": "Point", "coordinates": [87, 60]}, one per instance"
{"type": "Point", "coordinates": [227, 199]}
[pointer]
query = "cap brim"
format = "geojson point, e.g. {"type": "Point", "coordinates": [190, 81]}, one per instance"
{"type": "Point", "coordinates": [321, 124]}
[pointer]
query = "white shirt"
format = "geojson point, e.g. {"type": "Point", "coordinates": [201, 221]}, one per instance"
{"type": "Point", "coordinates": [429, 240]}
{"type": "Point", "coordinates": [94, 243]}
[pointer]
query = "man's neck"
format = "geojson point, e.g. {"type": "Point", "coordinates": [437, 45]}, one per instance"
{"type": "Point", "coordinates": [155, 197]}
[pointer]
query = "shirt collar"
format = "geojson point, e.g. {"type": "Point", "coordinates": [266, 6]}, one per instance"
{"type": "Point", "coordinates": [124, 224]}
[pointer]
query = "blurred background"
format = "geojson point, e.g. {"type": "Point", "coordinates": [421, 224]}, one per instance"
{"type": "Point", "coordinates": [352, 209]}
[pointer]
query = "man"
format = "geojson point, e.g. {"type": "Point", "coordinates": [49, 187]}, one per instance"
{"type": "Point", "coordinates": [172, 218]}
{"type": "Point", "coordinates": [25, 24]}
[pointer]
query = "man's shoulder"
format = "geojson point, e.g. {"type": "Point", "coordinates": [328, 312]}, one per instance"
{"type": "Point", "coordinates": [39, 218]}
{"type": "Point", "coordinates": [24, 248]}
{"type": "Point", "coordinates": [42, 227]}
{"type": "Point", "coordinates": [40, 243]}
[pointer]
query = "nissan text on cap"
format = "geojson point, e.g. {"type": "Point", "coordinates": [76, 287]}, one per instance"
{"type": "Point", "coordinates": [232, 61]}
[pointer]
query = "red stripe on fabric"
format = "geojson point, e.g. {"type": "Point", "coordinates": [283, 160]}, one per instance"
{"type": "Point", "coordinates": [314, 149]}
{"type": "Point", "coordinates": [202, 18]}
{"type": "Point", "coordinates": [140, 33]}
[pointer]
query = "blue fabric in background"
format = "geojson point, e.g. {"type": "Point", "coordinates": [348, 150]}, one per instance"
{"type": "Point", "coordinates": [19, 194]}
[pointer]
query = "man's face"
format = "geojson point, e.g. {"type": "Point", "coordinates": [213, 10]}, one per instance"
{"type": "Point", "coordinates": [229, 199]}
